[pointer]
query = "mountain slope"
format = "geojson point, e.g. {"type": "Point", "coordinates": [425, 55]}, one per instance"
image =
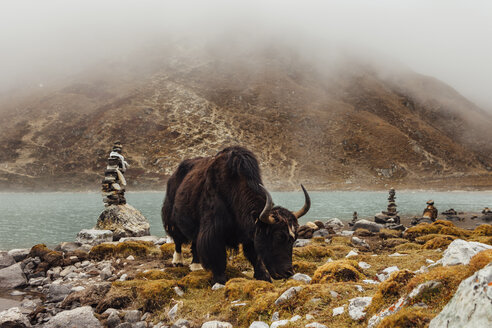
{"type": "Point", "coordinates": [337, 128]}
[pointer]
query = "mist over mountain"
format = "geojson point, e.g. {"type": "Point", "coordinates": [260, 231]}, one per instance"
{"type": "Point", "coordinates": [327, 119]}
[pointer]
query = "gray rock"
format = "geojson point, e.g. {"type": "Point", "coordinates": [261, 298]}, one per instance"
{"type": "Point", "coordinates": [346, 233]}
{"type": "Point", "coordinates": [19, 254]}
{"type": "Point", "coordinates": [152, 239]}
{"type": "Point", "coordinates": [461, 252]}
{"type": "Point", "coordinates": [133, 316]}
{"type": "Point", "coordinates": [179, 291]}
{"type": "Point", "coordinates": [160, 241]}
{"type": "Point", "coordinates": [140, 324]}
{"type": "Point", "coordinates": [302, 277]}
{"type": "Point", "coordinates": [38, 281]}
{"type": "Point", "coordinates": [124, 325]}
{"type": "Point", "coordinates": [173, 312]}
{"type": "Point", "coordinates": [94, 236]}
{"type": "Point", "coordinates": [287, 295]}
{"type": "Point", "coordinates": [6, 260]}
{"type": "Point", "coordinates": [334, 224]}
{"type": "Point", "coordinates": [301, 242]}
{"type": "Point", "coordinates": [364, 265]}
{"type": "Point", "coordinates": [423, 287]}
{"type": "Point", "coordinates": [356, 241]}
{"type": "Point", "coordinates": [181, 323]}
{"type": "Point", "coordinates": [357, 306]}
{"type": "Point", "coordinates": [123, 221]}
{"type": "Point", "coordinates": [13, 317]}
{"type": "Point", "coordinates": [106, 272]}
{"type": "Point", "coordinates": [338, 310]}
{"type": "Point", "coordinates": [68, 246]}
{"type": "Point", "coordinates": [275, 316]}
{"type": "Point", "coordinates": [81, 317]}
{"type": "Point", "coordinates": [279, 323]}
{"type": "Point", "coordinates": [315, 325]}
{"type": "Point", "coordinates": [57, 293]}
{"type": "Point", "coordinates": [216, 324]}
{"type": "Point", "coordinates": [12, 276]}
{"type": "Point", "coordinates": [113, 319]}
{"type": "Point", "coordinates": [123, 277]}
{"type": "Point", "coordinates": [368, 225]}
{"type": "Point", "coordinates": [217, 286]}
{"type": "Point", "coordinates": [471, 305]}
{"type": "Point", "coordinates": [321, 233]}
{"type": "Point", "coordinates": [259, 324]}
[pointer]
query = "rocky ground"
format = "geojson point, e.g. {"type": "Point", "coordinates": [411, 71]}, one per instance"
{"type": "Point", "coordinates": [372, 277]}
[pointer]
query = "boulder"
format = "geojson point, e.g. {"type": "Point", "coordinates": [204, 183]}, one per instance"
{"type": "Point", "coordinates": [368, 225]}
{"type": "Point", "coordinates": [6, 260]}
{"type": "Point", "coordinates": [334, 224]}
{"type": "Point", "coordinates": [68, 246]}
{"type": "Point", "coordinates": [58, 292]}
{"type": "Point", "coordinates": [81, 317]}
{"type": "Point", "coordinates": [12, 276]}
{"type": "Point", "coordinates": [123, 221]}
{"type": "Point", "coordinates": [321, 233]}
{"type": "Point", "coordinates": [216, 324]}
{"type": "Point", "coordinates": [13, 317]}
{"type": "Point", "coordinates": [94, 236]}
{"type": "Point", "coordinates": [152, 239]}
{"type": "Point", "coordinates": [302, 277]}
{"type": "Point", "coordinates": [471, 305]}
{"type": "Point", "coordinates": [19, 254]}
{"type": "Point", "coordinates": [357, 306]}
{"type": "Point", "coordinates": [356, 241]}
{"type": "Point", "coordinates": [461, 251]}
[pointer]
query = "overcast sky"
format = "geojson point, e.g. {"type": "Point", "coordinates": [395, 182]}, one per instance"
{"type": "Point", "coordinates": [450, 40]}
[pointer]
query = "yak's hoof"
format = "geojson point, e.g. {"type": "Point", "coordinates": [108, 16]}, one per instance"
{"type": "Point", "coordinates": [196, 267]}
{"type": "Point", "coordinates": [178, 259]}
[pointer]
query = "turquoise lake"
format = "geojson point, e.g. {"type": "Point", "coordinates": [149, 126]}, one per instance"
{"type": "Point", "coordinates": [27, 219]}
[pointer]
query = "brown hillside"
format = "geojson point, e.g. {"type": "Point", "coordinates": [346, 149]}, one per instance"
{"type": "Point", "coordinates": [344, 128]}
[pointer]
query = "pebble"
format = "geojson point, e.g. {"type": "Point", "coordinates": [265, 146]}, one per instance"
{"type": "Point", "coordinates": [133, 316]}
{"type": "Point", "coordinates": [216, 324]}
{"type": "Point", "coordinates": [397, 254]}
{"type": "Point", "coordinates": [259, 324]}
{"type": "Point", "coordinates": [351, 253]}
{"type": "Point", "coordinates": [346, 233]}
{"type": "Point", "coordinates": [309, 317]}
{"type": "Point", "coordinates": [302, 277]}
{"type": "Point", "coordinates": [178, 291]}
{"type": "Point", "coordinates": [173, 312]}
{"type": "Point", "coordinates": [279, 323]}
{"type": "Point", "coordinates": [217, 286]}
{"type": "Point", "coordinates": [295, 318]}
{"type": "Point", "coordinates": [315, 325]}
{"type": "Point", "coordinates": [123, 277]}
{"type": "Point", "coordinates": [130, 258]}
{"type": "Point", "coordinates": [275, 316]}
{"type": "Point", "coordinates": [359, 288]}
{"type": "Point", "coordinates": [113, 319]}
{"type": "Point", "coordinates": [287, 295]}
{"type": "Point", "coordinates": [364, 265]}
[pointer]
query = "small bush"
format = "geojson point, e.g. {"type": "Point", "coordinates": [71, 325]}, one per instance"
{"type": "Point", "coordinates": [408, 317]}
{"type": "Point", "coordinates": [407, 247]}
{"type": "Point", "coordinates": [304, 267]}
{"type": "Point", "coordinates": [393, 242]}
{"type": "Point", "coordinates": [341, 270]}
{"type": "Point", "coordinates": [102, 251]}
{"type": "Point", "coordinates": [312, 252]}
{"type": "Point", "coordinates": [389, 233]}
{"type": "Point", "coordinates": [439, 227]}
{"type": "Point", "coordinates": [196, 279]}
{"type": "Point", "coordinates": [390, 290]}
{"type": "Point", "coordinates": [480, 260]}
{"type": "Point", "coordinates": [135, 248]}
{"type": "Point", "coordinates": [438, 242]}
{"type": "Point", "coordinates": [483, 230]}
{"type": "Point", "coordinates": [241, 288]}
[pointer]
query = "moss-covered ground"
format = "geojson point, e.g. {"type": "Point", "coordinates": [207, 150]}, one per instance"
{"type": "Point", "coordinates": [336, 279]}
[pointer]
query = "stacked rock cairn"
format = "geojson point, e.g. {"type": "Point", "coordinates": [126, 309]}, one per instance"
{"type": "Point", "coordinates": [113, 184]}
{"type": "Point", "coordinates": [391, 214]}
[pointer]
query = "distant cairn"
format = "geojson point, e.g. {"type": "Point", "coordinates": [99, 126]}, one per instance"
{"type": "Point", "coordinates": [113, 184]}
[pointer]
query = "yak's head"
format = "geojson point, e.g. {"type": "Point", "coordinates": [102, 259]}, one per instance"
{"type": "Point", "coordinates": [276, 231]}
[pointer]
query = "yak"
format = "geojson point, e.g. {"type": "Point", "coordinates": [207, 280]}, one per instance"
{"type": "Point", "coordinates": [219, 202]}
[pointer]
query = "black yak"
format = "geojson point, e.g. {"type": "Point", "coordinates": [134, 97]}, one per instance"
{"type": "Point", "coordinates": [219, 202]}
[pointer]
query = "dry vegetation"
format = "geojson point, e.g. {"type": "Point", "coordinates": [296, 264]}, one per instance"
{"type": "Point", "coordinates": [335, 280]}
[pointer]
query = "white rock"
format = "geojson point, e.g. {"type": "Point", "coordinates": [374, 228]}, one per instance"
{"type": "Point", "coordinates": [429, 261]}
{"type": "Point", "coordinates": [460, 252]}
{"type": "Point", "coordinates": [368, 225]}
{"type": "Point", "coordinates": [217, 286]}
{"type": "Point", "coordinates": [123, 277]}
{"type": "Point", "coordinates": [338, 310]}
{"type": "Point", "coordinates": [357, 306]}
{"type": "Point", "coordinates": [81, 317]}
{"type": "Point", "coordinates": [471, 305]}
{"type": "Point", "coordinates": [173, 312]}
{"type": "Point", "coordinates": [13, 317]}
{"type": "Point", "coordinates": [396, 254]}
{"type": "Point", "coordinates": [302, 242]}
{"type": "Point", "coordinates": [351, 253]}
{"type": "Point", "coordinates": [130, 258]}
{"type": "Point", "coordinates": [279, 323]}
{"type": "Point", "coordinates": [364, 265]}
{"type": "Point", "coordinates": [94, 236]}
{"type": "Point", "coordinates": [160, 241]}
{"type": "Point", "coordinates": [275, 316]}
{"type": "Point", "coordinates": [152, 239]}
{"type": "Point", "coordinates": [386, 273]}
{"type": "Point", "coordinates": [376, 319]}
{"type": "Point", "coordinates": [287, 295]}
{"type": "Point", "coordinates": [356, 241]}
{"type": "Point", "coordinates": [302, 277]}
{"type": "Point", "coordinates": [309, 317]}
{"type": "Point", "coordinates": [106, 272]}
{"type": "Point", "coordinates": [335, 224]}
{"type": "Point", "coordinates": [295, 318]}
{"type": "Point", "coordinates": [259, 324]}
{"type": "Point", "coordinates": [178, 291]}
{"type": "Point", "coordinates": [359, 288]}
{"type": "Point", "coordinates": [346, 233]}
{"type": "Point", "coordinates": [12, 276]}
{"type": "Point", "coordinates": [216, 324]}
{"type": "Point", "coordinates": [77, 288]}
{"type": "Point", "coordinates": [334, 294]}
{"type": "Point", "coordinates": [315, 325]}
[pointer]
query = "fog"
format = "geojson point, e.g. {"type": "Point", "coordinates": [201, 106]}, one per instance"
{"type": "Point", "coordinates": [450, 40]}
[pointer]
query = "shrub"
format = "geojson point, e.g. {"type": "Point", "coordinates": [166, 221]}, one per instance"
{"type": "Point", "coordinates": [312, 252]}
{"type": "Point", "coordinates": [341, 270]}
{"type": "Point", "coordinates": [480, 260]}
{"type": "Point", "coordinates": [408, 317]}
{"type": "Point", "coordinates": [241, 288]}
{"type": "Point", "coordinates": [438, 242]}
{"type": "Point", "coordinates": [304, 267]}
{"type": "Point", "coordinates": [390, 290]}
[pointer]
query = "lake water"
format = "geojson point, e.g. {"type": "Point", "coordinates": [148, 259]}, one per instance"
{"type": "Point", "coordinates": [27, 219]}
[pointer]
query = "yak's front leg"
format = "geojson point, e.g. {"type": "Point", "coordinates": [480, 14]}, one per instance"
{"type": "Point", "coordinates": [211, 250]}
{"type": "Point", "coordinates": [260, 271]}
{"type": "Point", "coordinates": [195, 262]}
{"type": "Point", "coordinates": [177, 256]}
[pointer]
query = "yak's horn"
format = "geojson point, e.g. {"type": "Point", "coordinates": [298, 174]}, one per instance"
{"type": "Point", "coordinates": [265, 214]}
{"type": "Point", "coordinates": [307, 204]}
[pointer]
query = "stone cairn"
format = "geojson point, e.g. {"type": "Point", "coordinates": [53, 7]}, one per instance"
{"type": "Point", "coordinates": [113, 184]}
{"type": "Point", "coordinates": [391, 214]}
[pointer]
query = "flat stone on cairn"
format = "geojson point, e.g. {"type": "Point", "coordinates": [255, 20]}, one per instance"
{"type": "Point", "coordinates": [123, 221]}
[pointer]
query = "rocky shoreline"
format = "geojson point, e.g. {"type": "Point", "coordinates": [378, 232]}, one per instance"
{"type": "Point", "coordinates": [365, 276]}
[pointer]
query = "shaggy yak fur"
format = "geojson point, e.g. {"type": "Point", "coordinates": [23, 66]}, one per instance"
{"type": "Point", "coordinates": [219, 202]}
